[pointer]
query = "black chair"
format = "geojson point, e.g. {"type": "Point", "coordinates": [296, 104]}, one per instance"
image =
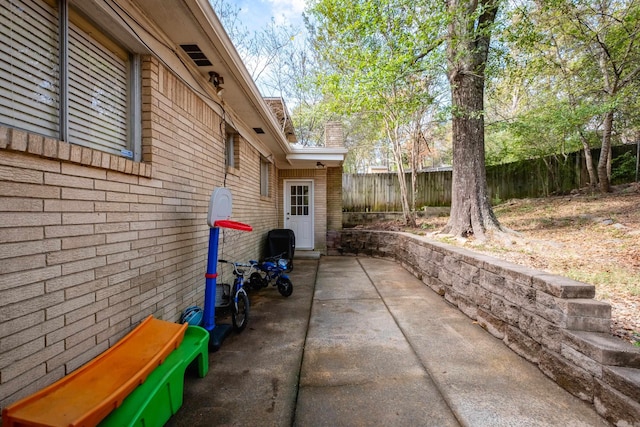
{"type": "Point", "coordinates": [281, 241]}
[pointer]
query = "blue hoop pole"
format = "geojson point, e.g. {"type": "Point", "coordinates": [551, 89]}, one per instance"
{"type": "Point", "coordinates": [210, 281]}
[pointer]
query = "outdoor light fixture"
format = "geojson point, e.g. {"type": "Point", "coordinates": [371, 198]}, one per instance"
{"type": "Point", "coordinates": [217, 81]}
{"type": "Point", "coordinates": [215, 78]}
{"type": "Point", "coordinates": [319, 165]}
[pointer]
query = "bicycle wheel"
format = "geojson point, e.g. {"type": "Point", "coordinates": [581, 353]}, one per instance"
{"type": "Point", "coordinates": [240, 311]}
{"type": "Point", "coordinates": [285, 287]}
{"type": "Point", "coordinates": [256, 281]}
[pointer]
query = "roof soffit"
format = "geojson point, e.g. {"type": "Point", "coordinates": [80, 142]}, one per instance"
{"type": "Point", "coordinates": [160, 27]}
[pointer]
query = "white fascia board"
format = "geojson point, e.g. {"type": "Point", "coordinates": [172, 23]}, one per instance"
{"type": "Point", "coordinates": [318, 151]}
{"type": "Point", "coordinates": [338, 157]}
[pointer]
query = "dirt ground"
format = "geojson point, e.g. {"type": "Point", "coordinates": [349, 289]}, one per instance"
{"type": "Point", "coordinates": [587, 236]}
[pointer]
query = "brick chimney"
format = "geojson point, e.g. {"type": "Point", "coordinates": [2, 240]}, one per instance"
{"type": "Point", "coordinates": [333, 135]}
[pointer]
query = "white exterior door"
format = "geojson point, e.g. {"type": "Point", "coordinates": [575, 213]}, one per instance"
{"type": "Point", "coordinates": [298, 212]}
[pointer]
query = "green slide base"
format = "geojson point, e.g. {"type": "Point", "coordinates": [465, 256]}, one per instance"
{"type": "Point", "coordinates": [160, 396]}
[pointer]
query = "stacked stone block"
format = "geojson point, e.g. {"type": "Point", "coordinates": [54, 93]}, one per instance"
{"type": "Point", "coordinates": [552, 321]}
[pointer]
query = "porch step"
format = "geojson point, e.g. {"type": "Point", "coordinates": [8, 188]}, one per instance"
{"type": "Point", "coordinates": [298, 254]}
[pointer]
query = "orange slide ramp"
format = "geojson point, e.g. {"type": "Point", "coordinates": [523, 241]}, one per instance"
{"type": "Point", "coordinates": [90, 393]}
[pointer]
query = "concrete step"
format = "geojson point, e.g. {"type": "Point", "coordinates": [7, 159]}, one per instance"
{"type": "Point", "coordinates": [304, 254]}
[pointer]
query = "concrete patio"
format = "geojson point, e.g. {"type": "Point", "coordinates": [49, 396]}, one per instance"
{"type": "Point", "coordinates": [362, 342]}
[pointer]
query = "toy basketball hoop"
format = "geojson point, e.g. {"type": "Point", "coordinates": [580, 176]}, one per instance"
{"type": "Point", "coordinates": [220, 208]}
{"type": "Point", "coordinates": [225, 223]}
{"type": "Point", "coordinates": [217, 217]}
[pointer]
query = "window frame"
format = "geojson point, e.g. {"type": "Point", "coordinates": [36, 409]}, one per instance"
{"type": "Point", "coordinates": [132, 143]}
{"type": "Point", "coordinates": [265, 175]}
{"type": "Point", "coordinates": [229, 149]}
{"type": "Point", "coordinates": [35, 27]}
{"type": "Point", "coordinates": [232, 149]}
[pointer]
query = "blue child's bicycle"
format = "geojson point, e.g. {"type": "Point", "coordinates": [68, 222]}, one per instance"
{"type": "Point", "coordinates": [271, 271]}
{"type": "Point", "coordinates": [236, 299]}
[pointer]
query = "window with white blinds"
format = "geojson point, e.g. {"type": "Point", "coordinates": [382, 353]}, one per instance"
{"type": "Point", "coordinates": [231, 148]}
{"type": "Point", "coordinates": [29, 67]}
{"type": "Point", "coordinates": [98, 94]}
{"type": "Point", "coordinates": [99, 91]}
{"type": "Point", "coordinates": [264, 177]}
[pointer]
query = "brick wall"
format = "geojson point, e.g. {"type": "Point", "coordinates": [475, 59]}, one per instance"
{"type": "Point", "coordinates": [334, 198]}
{"type": "Point", "coordinates": [91, 243]}
{"type": "Point", "coordinates": [552, 321]}
{"type": "Point", "coordinates": [333, 135]}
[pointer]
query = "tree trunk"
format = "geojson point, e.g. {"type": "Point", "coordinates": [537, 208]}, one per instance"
{"type": "Point", "coordinates": [409, 218]}
{"type": "Point", "coordinates": [588, 158]}
{"type": "Point", "coordinates": [638, 157]}
{"type": "Point", "coordinates": [468, 49]}
{"type": "Point", "coordinates": [603, 174]}
{"type": "Point", "coordinates": [471, 212]}
{"type": "Point", "coordinates": [415, 149]}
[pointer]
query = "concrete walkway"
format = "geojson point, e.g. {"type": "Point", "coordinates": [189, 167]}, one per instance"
{"type": "Point", "coordinates": [361, 342]}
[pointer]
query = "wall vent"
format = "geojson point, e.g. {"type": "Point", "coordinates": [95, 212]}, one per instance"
{"type": "Point", "coordinates": [194, 52]}
{"type": "Point", "coordinates": [259, 131]}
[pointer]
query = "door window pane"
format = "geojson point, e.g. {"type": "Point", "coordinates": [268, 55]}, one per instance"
{"type": "Point", "coordinates": [299, 200]}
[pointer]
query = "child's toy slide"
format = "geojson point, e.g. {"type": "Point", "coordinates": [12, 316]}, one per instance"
{"type": "Point", "coordinates": [160, 396]}
{"type": "Point", "coordinates": [87, 395]}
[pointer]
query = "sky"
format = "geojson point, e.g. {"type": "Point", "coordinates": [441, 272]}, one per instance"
{"type": "Point", "coordinates": [256, 14]}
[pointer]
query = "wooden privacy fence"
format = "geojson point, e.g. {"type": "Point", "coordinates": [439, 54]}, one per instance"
{"type": "Point", "coordinates": [380, 192]}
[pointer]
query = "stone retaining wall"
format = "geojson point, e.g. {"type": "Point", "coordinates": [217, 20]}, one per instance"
{"type": "Point", "coordinates": [550, 320]}
{"type": "Point", "coordinates": [351, 219]}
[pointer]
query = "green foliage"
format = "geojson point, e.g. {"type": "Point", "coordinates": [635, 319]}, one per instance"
{"type": "Point", "coordinates": [309, 120]}
{"type": "Point", "coordinates": [553, 128]}
{"type": "Point", "coordinates": [375, 55]}
{"type": "Point", "coordinates": [623, 168]}
{"type": "Point", "coordinates": [562, 66]}
{"type": "Point", "coordinates": [364, 139]}
{"type": "Point", "coordinates": [381, 66]}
